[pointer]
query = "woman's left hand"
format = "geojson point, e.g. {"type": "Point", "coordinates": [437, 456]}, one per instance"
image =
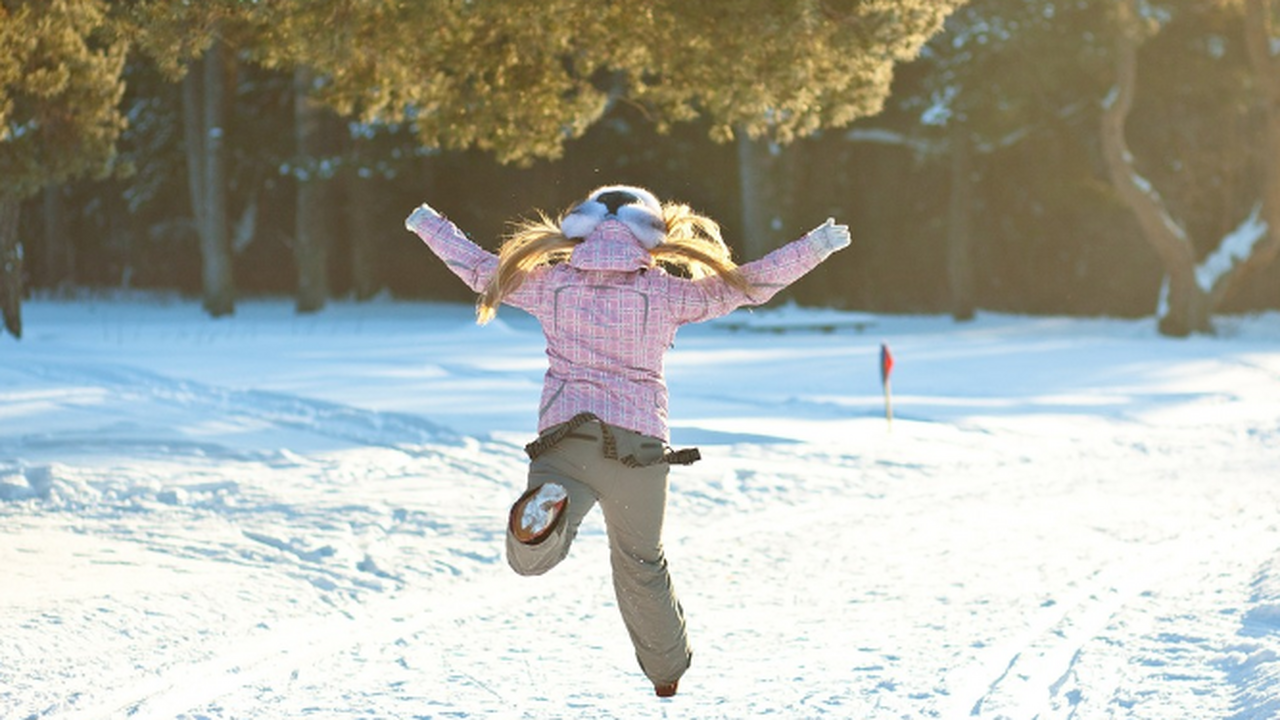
{"type": "Point", "coordinates": [832, 237]}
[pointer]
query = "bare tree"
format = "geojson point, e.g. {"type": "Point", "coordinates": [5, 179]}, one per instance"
{"type": "Point", "coordinates": [1194, 289]}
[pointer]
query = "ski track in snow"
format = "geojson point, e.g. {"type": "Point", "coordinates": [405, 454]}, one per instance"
{"type": "Point", "coordinates": [328, 419]}
{"type": "Point", "coordinates": [916, 574]}
{"type": "Point", "coordinates": [278, 657]}
{"type": "Point", "coordinates": [1036, 674]}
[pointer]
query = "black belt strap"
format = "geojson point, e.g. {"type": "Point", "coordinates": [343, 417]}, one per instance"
{"type": "Point", "coordinates": [686, 456]}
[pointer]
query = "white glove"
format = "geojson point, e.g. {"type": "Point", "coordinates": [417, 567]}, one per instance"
{"type": "Point", "coordinates": [419, 214]}
{"type": "Point", "coordinates": [831, 237]}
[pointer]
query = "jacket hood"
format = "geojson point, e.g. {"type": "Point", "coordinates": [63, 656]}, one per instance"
{"type": "Point", "coordinates": [636, 207]}
{"type": "Point", "coordinates": [611, 246]}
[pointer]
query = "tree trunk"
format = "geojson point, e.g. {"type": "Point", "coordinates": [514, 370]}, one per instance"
{"type": "Point", "coordinates": [362, 198]}
{"type": "Point", "coordinates": [57, 258]}
{"type": "Point", "coordinates": [1257, 28]}
{"type": "Point", "coordinates": [193, 138]}
{"type": "Point", "coordinates": [220, 297]}
{"type": "Point", "coordinates": [1188, 304]}
{"type": "Point", "coordinates": [311, 242]}
{"type": "Point", "coordinates": [762, 168]}
{"type": "Point", "coordinates": [10, 265]}
{"type": "Point", "coordinates": [959, 236]}
{"type": "Point", "coordinates": [204, 117]}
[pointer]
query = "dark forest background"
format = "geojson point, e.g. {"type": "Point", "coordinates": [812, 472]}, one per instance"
{"type": "Point", "coordinates": [985, 181]}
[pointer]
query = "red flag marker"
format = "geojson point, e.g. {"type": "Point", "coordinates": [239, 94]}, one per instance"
{"type": "Point", "coordinates": [886, 367]}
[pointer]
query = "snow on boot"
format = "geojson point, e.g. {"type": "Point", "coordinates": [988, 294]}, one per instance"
{"type": "Point", "coordinates": [537, 512]}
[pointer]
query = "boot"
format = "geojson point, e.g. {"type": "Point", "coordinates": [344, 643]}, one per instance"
{"type": "Point", "coordinates": [537, 513]}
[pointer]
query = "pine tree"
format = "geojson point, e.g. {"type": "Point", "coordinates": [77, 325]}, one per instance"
{"type": "Point", "coordinates": [520, 79]}
{"type": "Point", "coordinates": [60, 89]}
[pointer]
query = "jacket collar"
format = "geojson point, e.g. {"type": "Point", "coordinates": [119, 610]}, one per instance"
{"type": "Point", "coordinates": [611, 246]}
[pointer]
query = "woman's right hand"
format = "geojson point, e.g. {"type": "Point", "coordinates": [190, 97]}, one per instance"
{"type": "Point", "coordinates": [420, 213]}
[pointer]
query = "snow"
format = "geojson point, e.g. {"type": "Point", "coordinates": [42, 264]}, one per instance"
{"type": "Point", "coordinates": [940, 110]}
{"type": "Point", "coordinates": [1109, 102]}
{"type": "Point", "coordinates": [283, 516]}
{"type": "Point", "coordinates": [1144, 186]}
{"type": "Point", "coordinates": [540, 510]}
{"type": "Point", "coordinates": [1237, 246]}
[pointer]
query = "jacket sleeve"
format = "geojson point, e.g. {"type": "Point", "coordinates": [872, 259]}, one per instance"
{"type": "Point", "coordinates": [475, 265]}
{"type": "Point", "coordinates": [464, 258]}
{"type": "Point", "coordinates": [711, 297]}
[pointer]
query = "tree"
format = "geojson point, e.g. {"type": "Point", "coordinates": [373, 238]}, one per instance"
{"type": "Point", "coordinates": [60, 88]}
{"type": "Point", "coordinates": [960, 265]}
{"type": "Point", "coordinates": [769, 73]}
{"type": "Point", "coordinates": [374, 155]}
{"type": "Point", "coordinates": [312, 227]}
{"type": "Point", "coordinates": [189, 42]}
{"type": "Point", "coordinates": [204, 120]}
{"type": "Point", "coordinates": [1194, 290]}
{"type": "Point", "coordinates": [504, 77]}
{"type": "Point", "coordinates": [520, 79]}
{"type": "Point", "coordinates": [766, 184]}
{"type": "Point", "coordinates": [1260, 34]}
{"type": "Point", "coordinates": [997, 94]}
{"type": "Point", "coordinates": [57, 257]}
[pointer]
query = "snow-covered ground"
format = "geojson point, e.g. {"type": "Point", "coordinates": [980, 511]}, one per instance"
{"type": "Point", "coordinates": [274, 516]}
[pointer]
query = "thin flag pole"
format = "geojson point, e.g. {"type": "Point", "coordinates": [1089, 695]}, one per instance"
{"type": "Point", "coordinates": [886, 368]}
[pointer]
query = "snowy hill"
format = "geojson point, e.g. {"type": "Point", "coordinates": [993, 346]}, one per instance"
{"type": "Point", "coordinates": [274, 516]}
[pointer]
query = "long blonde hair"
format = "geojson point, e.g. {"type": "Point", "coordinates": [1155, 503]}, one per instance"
{"type": "Point", "coordinates": [693, 246]}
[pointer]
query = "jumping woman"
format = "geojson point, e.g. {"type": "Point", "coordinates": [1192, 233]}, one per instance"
{"type": "Point", "coordinates": [598, 282]}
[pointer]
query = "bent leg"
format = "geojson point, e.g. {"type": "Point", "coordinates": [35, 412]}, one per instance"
{"type": "Point", "coordinates": [538, 558]}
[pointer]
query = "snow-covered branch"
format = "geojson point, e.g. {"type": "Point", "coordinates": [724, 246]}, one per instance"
{"type": "Point", "coordinates": [1235, 248]}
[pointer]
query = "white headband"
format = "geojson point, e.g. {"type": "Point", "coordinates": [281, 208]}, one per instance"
{"type": "Point", "coordinates": [635, 207]}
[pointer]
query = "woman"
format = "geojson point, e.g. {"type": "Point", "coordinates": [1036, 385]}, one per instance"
{"type": "Point", "coordinates": [598, 284]}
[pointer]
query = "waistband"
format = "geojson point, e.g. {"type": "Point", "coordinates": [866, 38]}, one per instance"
{"type": "Point", "coordinates": [554, 435]}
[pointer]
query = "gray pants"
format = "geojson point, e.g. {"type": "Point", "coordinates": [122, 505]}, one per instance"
{"type": "Point", "coordinates": [634, 504]}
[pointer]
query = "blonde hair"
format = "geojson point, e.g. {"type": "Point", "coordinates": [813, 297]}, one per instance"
{"type": "Point", "coordinates": [693, 246]}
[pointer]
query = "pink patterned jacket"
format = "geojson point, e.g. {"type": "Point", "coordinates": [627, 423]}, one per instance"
{"type": "Point", "coordinates": [609, 314]}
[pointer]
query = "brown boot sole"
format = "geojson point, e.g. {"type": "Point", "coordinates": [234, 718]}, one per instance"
{"type": "Point", "coordinates": [523, 534]}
